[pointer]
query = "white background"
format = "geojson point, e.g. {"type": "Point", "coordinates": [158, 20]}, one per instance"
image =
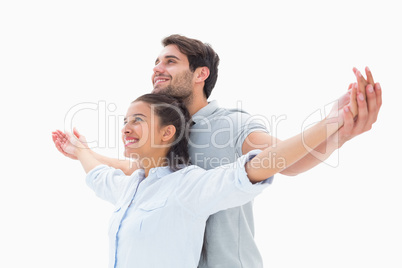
{"type": "Point", "coordinates": [279, 58]}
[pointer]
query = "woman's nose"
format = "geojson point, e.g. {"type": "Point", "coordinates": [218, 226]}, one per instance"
{"type": "Point", "coordinates": [125, 130]}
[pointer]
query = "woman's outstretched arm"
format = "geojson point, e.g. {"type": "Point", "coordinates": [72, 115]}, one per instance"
{"type": "Point", "coordinates": [127, 166]}
{"type": "Point", "coordinates": [72, 147]}
{"type": "Point", "coordinates": [283, 154]}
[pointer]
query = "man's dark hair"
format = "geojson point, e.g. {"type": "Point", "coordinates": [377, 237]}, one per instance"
{"type": "Point", "coordinates": [199, 54]}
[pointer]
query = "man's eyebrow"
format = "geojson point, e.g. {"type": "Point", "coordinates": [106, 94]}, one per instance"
{"type": "Point", "coordinates": [133, 115]}
{"type": "Point", "coordinates": [167, 57]}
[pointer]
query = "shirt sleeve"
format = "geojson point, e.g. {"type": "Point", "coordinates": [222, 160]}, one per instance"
{"type": "Point", "coordinates": [108, 183]}
{"type": "Point", "coordinates": [247, 124]}
{"type": "Point", "coordinates": [206, 192]}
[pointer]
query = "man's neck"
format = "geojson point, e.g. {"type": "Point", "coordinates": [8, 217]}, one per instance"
{"type": "Point", "coordinates": [195, 104]}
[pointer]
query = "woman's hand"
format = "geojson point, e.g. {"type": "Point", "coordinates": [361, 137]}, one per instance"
{"type": "Point", "coordinates": [345, 106]}
{"type": "Point", "coordinates": [71, 145]}
{"type": "Point", "coordinates": [67, 143]}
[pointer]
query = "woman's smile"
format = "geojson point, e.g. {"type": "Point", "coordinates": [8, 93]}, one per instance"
{"type": "Point", "coordinates": [129, 141]}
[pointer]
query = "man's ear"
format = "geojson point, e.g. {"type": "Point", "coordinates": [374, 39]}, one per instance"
{"type": "Point", "coordinates": [202, 74]}
{"type": "Point", "coordinates": [168, 132]}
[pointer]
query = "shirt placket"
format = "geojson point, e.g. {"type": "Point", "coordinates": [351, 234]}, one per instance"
{"type": "Point", "coordinates": [123, 215]}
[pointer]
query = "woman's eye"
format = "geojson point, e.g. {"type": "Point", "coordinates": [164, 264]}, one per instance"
{"type": "Point", "coordinates": [138, 119]}
{"type": "Point", "coordinates": [133, 121]}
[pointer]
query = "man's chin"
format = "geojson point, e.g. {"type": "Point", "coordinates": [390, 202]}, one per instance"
{"type": "Point", "coordinates": [157, 90]}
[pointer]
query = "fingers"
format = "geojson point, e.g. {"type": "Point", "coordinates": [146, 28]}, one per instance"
{"type": "Point", "coordinates": [60, 139]}
{"type": "Point", "coordinates": [348, 122]}
{"type": "Point", "coordinates": [70, 138]}
{"type": "Point", "coordinates": [369, 76]}
{"type": "Point", "coordinates": [372, 105]}
{"type": "Point", "coordinates": [64, 136]}
{"type": "Point", "coordinates": [80, 137]}
{"type": "Point", "coordinates": [361, 82]}
{"type": "Point", "coordinates": [76, 133]}
{"type": "Point", "coordinates": [353, 101]}
{"type": "Point", "coordinates": [362, 118]}
{"type": "Point", "coordinates": [73, 140]}
{"type": "Point", "coordinates": [54, 137]}
{"type": "Point", "coordinates": [57, 137]}
{"type": "Point", "coordinates": [59, 147]}
{"type": "Point", "coordinates": [56, 141]}
{"type": "Point", "coordinates": [61, 135]}
{"type": "Point", "coordinates": [378, 94]}
{"type": "Point", "coordinates": [365, 101]}
{"type": "Point", "coordinates": [374, 102]}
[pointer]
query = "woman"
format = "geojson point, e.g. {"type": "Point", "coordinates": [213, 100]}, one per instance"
{"type": "Point", "coordinates": [161, 209]}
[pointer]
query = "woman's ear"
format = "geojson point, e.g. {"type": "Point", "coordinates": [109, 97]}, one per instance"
{"type": "Point", "coordinates": [168, 132]}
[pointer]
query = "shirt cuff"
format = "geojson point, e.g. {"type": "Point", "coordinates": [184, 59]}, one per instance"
{"type": "Point", "coordinates": [243, 179]}
{"type": "Point", "coordinates": [92, 174]}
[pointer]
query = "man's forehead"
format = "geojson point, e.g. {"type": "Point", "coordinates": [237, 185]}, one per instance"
{"type": "Point", "coordinates": [171, 51]}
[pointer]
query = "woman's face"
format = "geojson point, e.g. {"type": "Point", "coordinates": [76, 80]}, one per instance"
{"type": "Point", "coordinates": [141, 132]}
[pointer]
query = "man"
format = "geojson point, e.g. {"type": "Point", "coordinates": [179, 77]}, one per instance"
{"type": "Point", "coordinates": [188, 68]}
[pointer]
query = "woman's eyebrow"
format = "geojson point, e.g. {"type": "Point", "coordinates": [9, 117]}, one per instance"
{"type": "Point", "coordinates": [133, 115]}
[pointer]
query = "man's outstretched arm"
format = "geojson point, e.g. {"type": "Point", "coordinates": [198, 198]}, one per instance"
{"type": "Point", "coordinates": [368, 109]}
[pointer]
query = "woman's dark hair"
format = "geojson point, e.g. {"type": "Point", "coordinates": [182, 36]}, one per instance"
{"type": "Point", "coordinates": [199, 54]}
{"type": "Point", "coordinates": [171, 111]}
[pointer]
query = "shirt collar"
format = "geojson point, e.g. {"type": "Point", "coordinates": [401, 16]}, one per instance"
{"type": "Point", "coordinates": [205, 111]}
{"type": "Point", "coordinates": [160, 171]}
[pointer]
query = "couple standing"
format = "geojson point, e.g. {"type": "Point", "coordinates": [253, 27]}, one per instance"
{"type": "Point", "coordinates": [150, 199]}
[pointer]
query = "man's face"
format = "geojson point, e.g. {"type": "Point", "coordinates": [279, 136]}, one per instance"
{"type": "Point", "coordinates": [171, 74]}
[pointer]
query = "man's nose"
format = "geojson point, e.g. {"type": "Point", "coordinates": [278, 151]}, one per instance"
{"type": "Point", "coordinates": [158, 68]}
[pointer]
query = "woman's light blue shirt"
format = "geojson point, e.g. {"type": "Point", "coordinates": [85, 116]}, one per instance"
{"type": "Point", "coordinates": [159, 220]}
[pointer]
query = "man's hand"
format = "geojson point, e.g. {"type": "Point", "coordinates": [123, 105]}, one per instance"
{"type": "Point", "coordinates": [368, 106]}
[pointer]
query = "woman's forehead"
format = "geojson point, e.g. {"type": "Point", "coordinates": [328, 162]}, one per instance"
{"type": "Point", "coordinates": [132, 116]}
{"type": "Point", "coordinates": [139, 107]}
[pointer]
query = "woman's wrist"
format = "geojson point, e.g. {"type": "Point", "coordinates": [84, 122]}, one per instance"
{"type": "Point", "coordinates": [82, 152]}
{"type": "Point", "coordinates": [335, 121]}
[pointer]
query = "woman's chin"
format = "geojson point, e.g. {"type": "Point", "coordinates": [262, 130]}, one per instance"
{"type": "Point", "coordinates": [131, 153]}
